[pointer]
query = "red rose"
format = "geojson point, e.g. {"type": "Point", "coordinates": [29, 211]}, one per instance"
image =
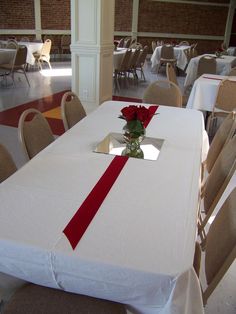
{"type": "Point", "coordinates": [129, 113]}
{"type": "Point", "coordinates": [142, 113]}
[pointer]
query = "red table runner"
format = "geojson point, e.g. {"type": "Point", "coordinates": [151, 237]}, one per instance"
{"type": "Point", "coordinates": [213, 78]}
{"type": "Point", "coordinates": [85, 214]}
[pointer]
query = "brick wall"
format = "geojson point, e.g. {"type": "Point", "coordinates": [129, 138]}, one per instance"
{"type": "Point", "coordinates": [55, 14]}
{"type": "Point", "coordinates": [123, 15]}
{"type": "Point", "coordinates": [17, 14]}
{"type": "Point", "coordinates": [181, 18]}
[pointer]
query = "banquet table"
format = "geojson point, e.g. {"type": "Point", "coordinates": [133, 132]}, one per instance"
{"type": "Point", "coordinates": [139, 247]}
{"type": "Point", "coordinates": [7, 55]}
{"type": "Point", "coordinates": [178, 53]}
{"type": "Point", "coordinates": [31, 48]}
{"type": "Point", "coordinates": [223, 66]}
{"type": "Point", "coordinates": [204, 92]}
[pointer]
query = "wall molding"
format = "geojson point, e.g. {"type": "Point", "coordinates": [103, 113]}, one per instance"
{"type": "Point", "coordinates": [34, 32]}
{"type": "Point", "coordinates": [215, 4]}
{"type": "Point", "coordinates": [170, 35]}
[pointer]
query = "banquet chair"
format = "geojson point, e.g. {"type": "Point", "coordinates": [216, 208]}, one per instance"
{"type": "Point", "coordinates": [19, 65]}
{"type": "Point", "coordinates": [44, 54]}
{"type": "Point", "coordinates": [121, 43]}
{"type": "Point", "coordinates": [65, 43]}
{"type": "Point", "coordinates": [216, 183]}
{"type": "Point", "coordinates": [141, 62]}
{"type": "Point", "coordinates": [194, 52]}
{"type": "Point", "coordinates": [72, 110]}
{"type": "Point", "coordinates": [34, 135]}
{"type": "Point", "coordinates": [11, 44]}
{"type": "Point", "coordinates": [164, 93]}
{"type": "Point", "coordinates": [232, 72]}
{"type": "Point", "coordinates": [220, 246]}
{"type": "Point", "coordinates": [167, 55]}
{"type": "Point", "coordinates": [225, 102]}
{"type": "Point", "coordinates": [133, 62]}
{"type": "Point", "coordinates": [35, 299]}
{"type": "Point", "coordinates": [154, 45]}
{"type": "Point", "coordinates": [25, 39]}
{"type": "Point", "coordinates": [123, 67]}
{"type": "Point", "coordinates": [127, 42]}
{"type": "Point", "coordinates": [171, 76]}
{"type": "Point", "coordinates": [221, 137]}
{"type": "Point", "coordinates": [184, 43]}
{"type": "Point", "coordinates": [7, 165]}
{"type": "Point", "coordinates": [206, 65]}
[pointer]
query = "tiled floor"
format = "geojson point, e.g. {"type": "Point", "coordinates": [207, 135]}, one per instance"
{"type": "Point", "coordinates": [43, 86]}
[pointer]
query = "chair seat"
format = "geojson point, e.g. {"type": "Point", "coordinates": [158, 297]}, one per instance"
{"type": "Point", "coordinates": [37, 299]}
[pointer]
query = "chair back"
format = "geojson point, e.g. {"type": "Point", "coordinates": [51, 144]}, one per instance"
{"type": "Point", "coordinates": [12, 44]}
{"type": "Point", "coordinates": [232, 72]}
{"type": "Point", "coordinates": [127, 43]}
{"type": "Point", "coordinates": [65, 41]}
{"type": "Point", "coordinates": [167, 52]}
{"type": "Point", "coordinates": [222, 136]}
{"type": "Point", "coordinates": [220, 250]}
{"type": "Point", "coordinates": [7, 165]}
{"type": "Point", "coordinates": [124, 65]}
{"type": "Point", "coordinates": [164, 93]}
{"type": "Point", "coordinates": [154, 45]}
{"type": "Point", "coordinates": [142, 56]}
{"type": "Point", "coordinates": [226, 96]}
{"type": "Point", "coordinates": [170, 73]}
{"type": "Point", "coordinates": [71, 109]}
{"type": "Point", "coordinates": [220, 175]}
{"type": "Point", "coordinates": [45, 51]}
{"type": "Point", "coordinates": [34, 134]}
{"type": "Point", "coordinates": [206, 65]}
{"type": "Point", "coordinates": [25, 39]}
{"type": "Point", "coordinates": [134, 58]}
{"type": "Point", "coordinates": [184, 43]}
{"type": "Point", "coordinates": [121, 43]}
{"type": "Point", "coordinates": [21, 55]}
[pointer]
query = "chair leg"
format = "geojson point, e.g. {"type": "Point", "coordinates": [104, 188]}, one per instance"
{"type": "Point", "coordinates": [26, 77]}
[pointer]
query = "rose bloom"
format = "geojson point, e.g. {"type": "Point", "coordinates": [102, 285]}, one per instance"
{"type": "Point", "coordinates": [142, 113]}
{"type": "Point", "coordinates": [129, 113]}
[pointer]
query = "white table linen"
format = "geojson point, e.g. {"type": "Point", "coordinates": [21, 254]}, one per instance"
{"type": "Point", "coordinates": [7, 55]}
{"type": "Point", "coordinates": [223, 67]}
{"type": "Point", "coordinates": [204, 92]}
{"type": "Point", "coordinates": [139, 247]}
{"type": "Point", "coordinates": [231, 51]}
{"type": "Point", "coordinates": [178, 53]}
{"type": "Point", "coordinates": [31, 48]}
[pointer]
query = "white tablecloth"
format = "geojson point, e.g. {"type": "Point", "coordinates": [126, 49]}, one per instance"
{"type": "Point", "coordinates": [223, 67]}
{"type": "Point", "coordinates": [178, 53]}
{"type": "Point", "coordinates": [139, 248]}
{"type": "Point", "coordinates": [204, 92]}
{"type": "Point", "coordinates": [231, 51]}
{"type": "Point", "coordinates": [7, 55]}
{"type": "Point", "coordinates": [31, 48]}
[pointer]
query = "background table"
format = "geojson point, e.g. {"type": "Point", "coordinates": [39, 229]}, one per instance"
{"type": "Point", "coordinates": [139, 247]}
{"type": "Point", "coordinates": [223, 67]}
{"type": "Point", "coordinates": [204, 92]}
{"type": "Point", "coordinates": [31, 48]}
{"type": "Point", "coordinates": [178, 53]}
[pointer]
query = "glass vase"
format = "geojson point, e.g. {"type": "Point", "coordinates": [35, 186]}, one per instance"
{"type": "Point", "coordinates": [133, 141]}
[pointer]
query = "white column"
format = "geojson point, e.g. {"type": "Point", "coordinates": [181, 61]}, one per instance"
{"type": "Point", "coordinates": [92, 50]}
{"type": "Point", "coordinates": [135, 19]}
{"type": "Point", "coordinates": [229, 22]}
{"type": "Point", "coordinates": [37, 14]}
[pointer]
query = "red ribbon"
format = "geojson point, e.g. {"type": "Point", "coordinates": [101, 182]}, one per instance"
{"type": "Point", "coordinates": [84, 215]}
{"type": "Point", "coordinates": [213, 78]}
